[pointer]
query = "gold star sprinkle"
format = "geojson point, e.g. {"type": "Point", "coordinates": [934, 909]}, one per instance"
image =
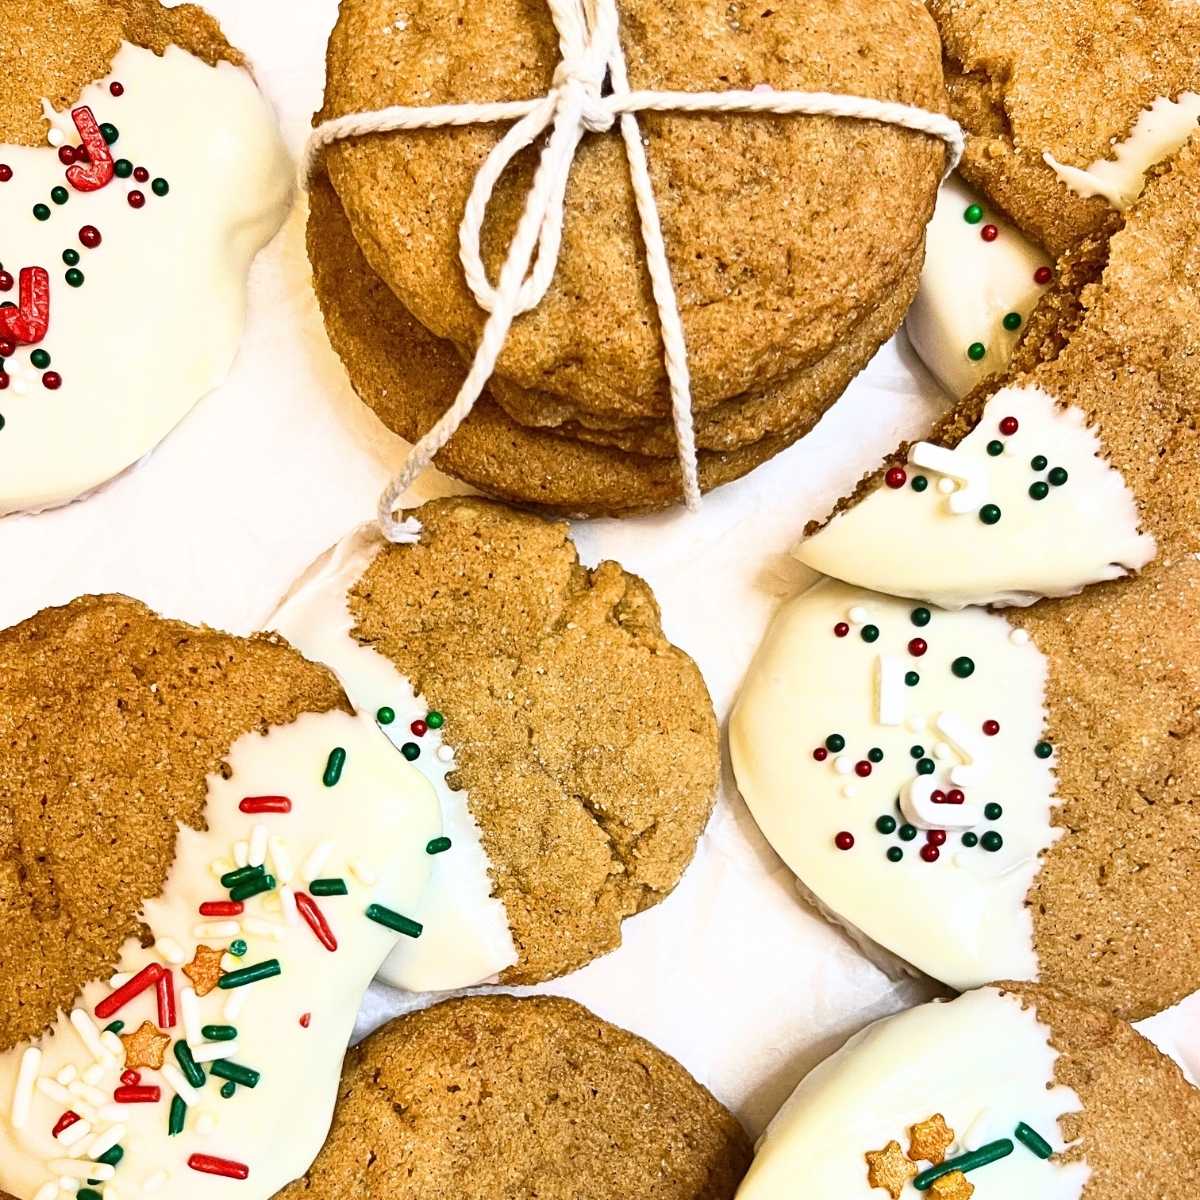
{"type": "Point", "coordinates": [952, 1187]}
{"type": "Point", "coordinates": [146, 1047]}
{"type": "Point", "coordinates": [929, 1140]}
{"type": "Point", "coordinates": [205, 969]}
{"type": "Point", "coordinates": [889, 1169]}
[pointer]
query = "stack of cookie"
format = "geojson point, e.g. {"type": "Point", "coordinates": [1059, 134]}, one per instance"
{"type": "Point", "coordinates": [794, 243]}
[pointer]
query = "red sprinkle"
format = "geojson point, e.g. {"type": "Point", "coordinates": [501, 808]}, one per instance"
{"type": "Point", "coordinates": [131, 1078]}
{"type": "Point", "coordinates": [841, 629]}
{"type": "Point", "coordinates": [7, 348]}
{"type": "Point", "coordinates": [3, 380]}
{"type": "Point", "coordinates": [1009, 426]}
{"type": "Point", "coordinates": [989, 233]}
{"type": "Point", "coordinates": [1043, 275]}
{"type": "Point", "coordinates": [166, 1000]}
{"type": "Point", "coordinates": [937, 796]}
{"type": "Point", "coordinates": [6, 281]}
{"type": "Point", "coordinates": [305, 1020]}
{"type": "Point", "coordinates": [896, 477]}
{"type": "Point", "coordinates": [222, 908]}
{"type": "Point", "coordinates": [146, 1094]}
{"type": "Point", "coordinates": [316, 921]}
{"type": "Point", "coordinates": [991, 728]}
{"type": "Point", "coordinates": [89, 235]}
{"type": "Point", "coordinates": [136, 199]}
{"type": "Point", "coordinates": [820, 754]}
{"type": "Point", "coordinates": [5, 172]}
{"type": "Point", "coordinates": [266, 804]}
{"type": "Point", "coordinates": [68, 1119]}
{"type": "Point", "coordinates": [209, 1164]}
{"type": "Point", "coordinates": [955, 796]}
{"type": "Point", "coordinates": [141, 174]}
{"type": "Point", "coordinates": [844, 840]}
{"type": "Point", "coordinates": [917, 647]}
{"type": "Point", "coordinates": [419, 728]}
{"type": "Point", "coordinates": [66, 155]}
{"type": "Point", "coordinates": [936, 837]}
{"type": "Point", "coordinates": [862, 768]}
{"type": "Point", "coordinates": [116, 89]}
{"type": "Point", "coordinates": [930, 853]}
{"type": "Point", "coordinates": [52, 381]}
{"type": "Point", "coordinates": [146, 977]}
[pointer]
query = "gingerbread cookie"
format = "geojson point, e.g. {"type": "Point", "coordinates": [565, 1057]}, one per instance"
{"type": "Point", "coordinates": [990, 795]}
{"type": "Point", "coordinates": [499, 1096]}
{"type": "Point", "coordinates": [128, 237]}
{"type": "Point", "coordinates": [574, 749]}
{"type": "Point", "coordinates": [1010, 1090]}
{"type": "Point", "coordinates": [204, 858]}
{"type": "Point", "coordinates": [1076, 466]}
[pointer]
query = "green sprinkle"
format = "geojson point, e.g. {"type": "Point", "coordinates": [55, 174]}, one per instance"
{"type": "Point", "coordinates": [70, 257]}
{"type": "Point", "coordinates": [109, 132]}
{"type": "Point", "coordinates": [907, 832]}
{"type": "Point", "coordinates": [219, 1033]}
{"type": "Point", "coordinates": [40, 359]}
{"type": "Point", "coordinates": [59, 195]}
{"type": "Point", "coordinates": [886, 824]}
{"type": "Point", "coordinates": [919, 483]}
{"type": "Point", "coordinates": [393, 920]}
{"type": "Point", "coordinates": [123, 168]}
{"type": "Point", "coordinates": [240, 978]}
{"type": "Point", "coordinates": [1058, 476]}
{"type": "Point", "coordinates": [439, 845]}
{"type": "Point", "coordinates": [333, 766]}
{"type": "Point", "coordinates": [1039, 462]}
{"type": "Point", "coordinates": [976, 351]}
{"type": "Point", "coordinates": [222, 1068]}
{"type": "Point", "coordinates": [159, 186]}
{"type": "Point", "coordinates": [434, 719]}
{"type": "Point", "coordinates": [920, 617]}
{"type": "Point", "coordinates": [252, 887]}
{"type": "Point", "coordinates": [989, 514]}
{"type": "Point", "coordinates": [192, 1071]}
{"type": "Point", "coordinates": [112, 1156]}
{"type": "Point", "coordinates": [870, 633]}
{"type": "Point", "coordinates": [385, 715]}
{"type": "Point", "coordinates": [411, 751]}
{"type": "Point", "coordinates": [178, 1117]}
{"type": "Point", "coordinates": [991, 841]}
{"type": "Point", "coordinates": [1039, 490]}
{"type": "Point", "coordinates": [228, 1090]}
{"type": "Point", "coordinates": [1032, 1140]}
{"type": "Point", "coordinates": [963, 668]}
{"type": "Point", "coordinates": [965, 1162]}
{"type": "Point", "coordinates": [995, 449]}
{"type": "Point", "coordinates": [974, 214]}
{"type": "Point", "coordinates": [993, 811]}
{"type": "Point", "coordinates": [875, 755]}
{"type": "Point", "coordinates": [232, 878]}
{"type": "Point", "coordinates": [894, 854]}
{"type": "Point", "coordinates": [329, 887]}
{"type": "Point", "coordinates": [1012, 321]}
{"type": "Point", "coordinates": [74, 277]}
{"type": "Point", "coordinates": [917, 751]}
{"type": "Point", "coordinates": [88, 1194]}
{"type": "Point", "coordinates": [970, 839]}
{"type": "Point", "coordinates": [835, 743]}
{"type": "Point", "coordinates": [42, 212]}
{"type": "Point", "coordinates": [925, 766]}
{"type": "Point", "coordinates": [1043, 749]}
{"type": "Point", "coordinates": [238, 948]}
{"type": "Point", "coordinates": [114, 1027]}
{"type": "Point", "coordinates": [911, 679]}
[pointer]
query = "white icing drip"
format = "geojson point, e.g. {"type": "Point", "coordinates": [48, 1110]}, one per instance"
{"type": "Point", "coordinates": [981, 1061]}
{"type": "Point", "coordinates": [909, 543]}
{"type": "Point", "coordinates": [1157, 134]}
{"type": "Point", "coordinates": [157, 321]}
{"type": "Point", "coordinates": [467, 939]}
{"type": "Point", "coordinates": [387, 813]}
{"type": "Point", "coordinates": [965, 926]}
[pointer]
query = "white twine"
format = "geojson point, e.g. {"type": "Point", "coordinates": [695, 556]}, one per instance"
{"type": "Point", "coordinates": [590, 49]}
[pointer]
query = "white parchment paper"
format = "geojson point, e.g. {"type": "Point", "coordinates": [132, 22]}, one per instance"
{"type": "Point", "coordinates": [732, 974]}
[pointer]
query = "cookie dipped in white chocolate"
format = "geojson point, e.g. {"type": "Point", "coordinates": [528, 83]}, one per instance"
{"type": "Point", "coordinates": [146, 275]}
{"type": "Point", "coordinates": [467, 939]}
{"type": "Point", "coordinates": [313, 858]}
{"type": "Point", "coordinates": [981, 279]}
{"type": "Point", "coordinates": [1024, 506]}
{"type": "Point", "coordinates": [913, 1095]}
{"type": "Point", "coordinates": [892, 756]}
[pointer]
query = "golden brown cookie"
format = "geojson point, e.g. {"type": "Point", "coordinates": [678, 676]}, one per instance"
{"type": "Point", "coordinates": [495, 1096]}
{"type": "Point", "coordinates": [1043, 1095]}
{"type": "Point", "coordinates": [1069, 78]}
{"type": "Point", "coordinates": [782, 234]}
{"type": "Point", "coordinates": [585, 742]}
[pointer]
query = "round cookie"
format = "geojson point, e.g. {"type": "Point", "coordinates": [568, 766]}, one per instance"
{"type": "Point", "coordinates": [1079, 465]}
{"type": "Point", "coordinates": [1010, 1090]}
{"type": "Point", "coordinates": [991, 795]}
{"type": "Point", "coordinates": [1068, 103]}
{"type": "Point", "coordinates": [499, 1096]}
{"type": "Point", "coordinates": [574, 749]}
{"type": "Point", "coordinates": [190, 918]}
{"type": "Point", "coordinates": [127, 249]}
{"type": "Point", "coordinates": [781, 233]}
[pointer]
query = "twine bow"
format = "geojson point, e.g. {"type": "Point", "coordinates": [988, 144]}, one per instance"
{"type": "Point", "coordinates": [590, 49]}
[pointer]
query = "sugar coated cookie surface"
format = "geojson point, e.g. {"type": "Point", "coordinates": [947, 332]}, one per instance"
{"type": "Point", "coordinates": [1009, 1090]}
{"type": "Point", "coordinates": [506, 1097]}
{"type": "Point", "coordinates": [132, 209]}
{"type": "Point", "coordinates": [209, 859]}
{"type": "Point", "coordinates": [574, 749]}
{"type": "Point", "coordinates": [987, 794]}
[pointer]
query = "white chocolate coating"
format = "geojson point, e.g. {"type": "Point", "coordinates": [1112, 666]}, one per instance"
{"type": "Point", "coordinates": [157, 321]}
{"type": "Point", "coordinates": [932, 545]}
{"type": "Point", "coordinates": [381, 812]}
{"type": "Point", "coordinates": [467, 940]}
{"type": "Point", "coordinates": [968, 286]}
{"type": "Point", "coordinates": [981, 1061]}
{"type": "Point", "coordinates": [1157, 134]}
{"type": "Point", "coordinates": [961, 918]}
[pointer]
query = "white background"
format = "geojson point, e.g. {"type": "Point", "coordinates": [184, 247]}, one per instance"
{"type": "Point", "coordinates": [733, 975]}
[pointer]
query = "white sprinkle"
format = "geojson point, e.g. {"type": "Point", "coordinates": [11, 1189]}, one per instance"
{"type": "Point", "coordinates": [315, 862]}
{"type": "Point", "coordinates": [206, 1123]}
{"type": "Point", "coordinates": [362, 872]}
{"type": "Point", "coordinates": [287, 901]}
{"type": "Point", "coordinates": [119, 980]}
{"type": "Point", "coordinates": [93, 1074]}
{"type": "Point", "coordinates": [156, 1182]}
{"type": "Point", "coordinates": [843, 764]}
{"type": "Point", "coordinates": [21, 387]}
{"type": "Point", "coordinates": [858, 615]}
{"type": "Point", "coordinates": [444, 753]}
{"type": "Point", "coordinates": [217, 929]}
{"type": "Point", "coordinates": [73, 1134]}
{"type": "Point", "coordinates": [257, 854]}
{"type": "Point", "coordinates": [270, 929]}
{"type": "Point", "coordinates": [849, 791]}
{"type": "Point", "coordinates": [1018, 637]}
{"type": "Point", "coordinates": [94, 1096]}
{"type": "Point", "coordinates": [235, 1004]}
{"type": "Point", "coordinates": [105, 1141]}
{"type": "Point", "coordinates": [67, 1074]}
{"type": "Point", "coordinates": [48, 1191]}
{"type": "Point", "coordinates": [211, 1051]}
{"type": "Point", "coordinates": [89, 1034]}
{"type": "Point", "coordinates": [281, 860]}
{"type": "Point", "coordinates": [180, 1086]}
{"type": "Point", "coordinates": [55, 1091]}
{"type": "Point", "coordinates": [946, 486]}
{"type": "Point", "coordinates": [241, 853]}
{"type": "Point", "coordinates": [189, 1007]}
{"type": "Point", "coordinates": [113, 1045]}
{"type": "Point", "coordinates": [170, 951]}
{"type": "Point", "coordinates": [55, 136]}
{"type": "Point", "coordinates": [74, 1168]}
